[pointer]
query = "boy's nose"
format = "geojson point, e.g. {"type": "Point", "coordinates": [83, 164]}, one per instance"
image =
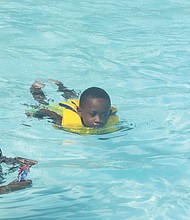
{"type": "Point", "coordinates": [98, 118]}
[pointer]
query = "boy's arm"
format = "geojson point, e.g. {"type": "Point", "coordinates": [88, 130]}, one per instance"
{"type": "Point", "coordinates": [66, 93]}
{"type": "Point", "coordinates": [57, 119]}
{"type": "Point", "coordinates": [37, 93]}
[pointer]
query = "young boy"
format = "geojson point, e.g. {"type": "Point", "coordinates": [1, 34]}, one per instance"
{"type": "Point", "coordinates": [93, 110]}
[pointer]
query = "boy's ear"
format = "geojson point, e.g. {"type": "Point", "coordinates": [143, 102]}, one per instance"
{"type": "Point", "coordinates": [79, 111]}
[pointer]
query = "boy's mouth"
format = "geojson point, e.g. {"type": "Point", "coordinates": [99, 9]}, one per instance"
{"type": "Point", "coordinates": [98, 125]}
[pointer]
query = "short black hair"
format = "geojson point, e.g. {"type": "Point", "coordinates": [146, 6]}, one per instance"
{"type": "Point", "coordinates": [94, 92]}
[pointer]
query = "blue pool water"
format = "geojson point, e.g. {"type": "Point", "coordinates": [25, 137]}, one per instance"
{"type": "Point", "coordinates": [139, 52]}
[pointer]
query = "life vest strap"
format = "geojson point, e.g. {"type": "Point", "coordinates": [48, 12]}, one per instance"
{"type": "Point", "coordinates": [64, 105]}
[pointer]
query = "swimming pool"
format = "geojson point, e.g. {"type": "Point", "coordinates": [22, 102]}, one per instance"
{"type": "Point", "coordinates": [139, 53]}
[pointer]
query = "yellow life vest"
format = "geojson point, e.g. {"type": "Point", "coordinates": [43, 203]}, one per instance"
{"type": "Point", "coordinates": [71, 121]}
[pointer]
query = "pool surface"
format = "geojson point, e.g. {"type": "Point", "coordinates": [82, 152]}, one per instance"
{"type": "Point", "coordinates": [139, 52]}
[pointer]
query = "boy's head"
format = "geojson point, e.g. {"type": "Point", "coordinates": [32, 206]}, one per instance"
{"type": "Point", "coordinates": [95, 107]}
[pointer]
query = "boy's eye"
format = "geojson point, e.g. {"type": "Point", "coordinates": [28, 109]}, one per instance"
{"type": "Point", "coordinates": [92, 114]}
{"type": "Point", "coordinates": [103, 115]}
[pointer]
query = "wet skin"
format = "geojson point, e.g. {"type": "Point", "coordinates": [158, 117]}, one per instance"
{"type": "Point", "coordinates": [96, 112]}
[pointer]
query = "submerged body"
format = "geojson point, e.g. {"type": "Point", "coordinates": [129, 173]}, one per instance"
{"type": "Point", "coordinates": [100, 121]}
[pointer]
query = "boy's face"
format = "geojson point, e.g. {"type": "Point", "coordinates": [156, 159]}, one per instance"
{"type": "Point", "coordinates": [95, 113]}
